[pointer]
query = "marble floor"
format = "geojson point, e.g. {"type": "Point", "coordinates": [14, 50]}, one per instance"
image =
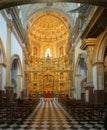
{"type": "Point", "coordinates": [49, 115]}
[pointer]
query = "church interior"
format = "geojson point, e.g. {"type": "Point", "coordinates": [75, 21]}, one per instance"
{"type": "Point", "coordinates": [53, 64]}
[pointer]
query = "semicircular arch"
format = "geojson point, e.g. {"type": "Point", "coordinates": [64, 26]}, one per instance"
{"type": "Point", "coordinates": [81, 55]}
{"type": "Point", "coordinates": [3, 52]}
{"type": "Point", "coordinates": [19, 65]}
{"type": "Point", "coordinates": [101, 48]}
{"type": "Point", "coordinates": [53, 13]}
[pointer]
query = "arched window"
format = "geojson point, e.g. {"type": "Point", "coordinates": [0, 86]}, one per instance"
{"type": "Point", "coordinates": [48, 52]}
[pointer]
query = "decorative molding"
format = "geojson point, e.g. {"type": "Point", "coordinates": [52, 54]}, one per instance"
{"type": "Point", "coordinates": [92, 22]}
{"type": "Point", "coordinates": [18, 25]}
{"type": "Point", "coordinates": [88, 42]}
{"type": "Point", "coordinates": [2, 64]}
{"type": "Point", "coordinates": [98, 63]}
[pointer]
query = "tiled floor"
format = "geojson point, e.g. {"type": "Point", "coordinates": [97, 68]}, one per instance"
{"type": "Point", "coordinates": [49, 115]}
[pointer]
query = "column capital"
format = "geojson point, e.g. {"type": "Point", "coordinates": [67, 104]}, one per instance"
{"type": "Point", "coordinates": [88, 45]}
{"type": "Point", "coordinates": [77, 75]}
{"type": "Point", "coordinates": [89, 85]}
{"type": "Point", "coordinates": [9, 87]}
{"type": "Point", "coordinates": [19, 75]}
{"type": "Point", "coordinates": [98, 63]}
{"type": "Point", "coordinates": [2, 65]}
{"type": "Point", "coordinates": [9, 25]}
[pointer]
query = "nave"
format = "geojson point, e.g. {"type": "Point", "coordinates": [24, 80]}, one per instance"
{"type": "Point", "coordinates": [49, 115]}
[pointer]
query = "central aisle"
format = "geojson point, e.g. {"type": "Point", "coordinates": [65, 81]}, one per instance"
{"type": "Point", "coordinates": [49, 115]}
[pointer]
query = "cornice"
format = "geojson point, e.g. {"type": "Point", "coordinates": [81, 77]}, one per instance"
{"type": "Point", "coordinates": [88, 42]}
{"type": "Point", "coordinates": [92, 22]}
{"type": "Point", "coordinates": [98, 63]}
{"type": "Point", "coordinates": [18, 25]}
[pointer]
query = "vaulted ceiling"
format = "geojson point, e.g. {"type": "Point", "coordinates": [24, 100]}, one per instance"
{"type": "Point", "coordinates": [48, 26]}
{"type": "Point", "coordinates": [10, 3]}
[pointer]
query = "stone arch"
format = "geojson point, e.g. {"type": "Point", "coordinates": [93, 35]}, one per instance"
{"type": "Point", "coordinates": [81, 74]}
{"type": "Point", "coordinates": [3, 52]}
{"type": "Point", "coordinates": [2, 64]}
{"type": "Point", "coordinates": [101, 47]}
{"type": "Point", "coordinates": [16, 74]}
{"type": "Point", "coordinates": [101, 73]}
{"type": "Point", "coordinates": [105, 78]}
{"type": "Point", "coordinates": [81, 55]}
{"type": "Point", "coordinates": [43, 12]}
{"type": "Point", "coordinates": [16, 57]}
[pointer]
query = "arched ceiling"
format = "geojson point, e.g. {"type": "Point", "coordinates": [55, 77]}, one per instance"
{"type": "Point", "coordinates": [53, 26]}
{"type": "Point", "coordinates": [29, 10]}
{"type": "Point", "coordinates": [48, 26]}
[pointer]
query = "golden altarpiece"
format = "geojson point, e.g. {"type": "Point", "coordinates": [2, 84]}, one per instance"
{"type": "Point", "coordinates": [49, 77]}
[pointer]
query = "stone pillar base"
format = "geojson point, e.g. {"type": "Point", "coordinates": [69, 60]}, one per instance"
{"type": "Point", "coordinates": [23, 94]}
{"type": "Point", "coordinates": [89, 94]}
{"type": "Point", "coordinates": [9, 94]}
{"type": "Point", "coordinates": [99, 97]}
{"type": "Point", "coordinates": [1, 97]}
{"type": "Point", "coordinates": [83, 97]}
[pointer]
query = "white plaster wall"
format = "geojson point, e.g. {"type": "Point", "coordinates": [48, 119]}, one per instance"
{"type": "Point", "coordinates": [15, 47]}
{"type": "Point", "coordinates": [3, 31]}
{"type": "Point", "coordinates": [77, 51]}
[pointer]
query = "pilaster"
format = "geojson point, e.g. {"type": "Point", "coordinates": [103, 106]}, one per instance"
{"type": "Point", "coordinates": [98, 82]}
{"type": "Point", "coordinates": [88, 46]}
{"type": "Point", "coordinates": [78, 86]}
{"type": "Point", "coordinates": [19, 85]}
{"type": "Point", "coordinates": [8, 51]}
{"type": "Point", "coordinates": [9, 88]}
{"type": "Point", "coordinates": [2, 66]}
{"type": "Point", "coordinates": [9, 94]}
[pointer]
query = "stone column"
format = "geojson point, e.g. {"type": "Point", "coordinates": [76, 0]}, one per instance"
{"type": "Point", "coordinates": [26, 82]}
{"type": "Point", "coordinates": [89, 86]}
{"type": "Point", "coordinates": [9, 89]}
{"type": "Point", "coordinates": [0, 76]}
{"type": "Point", "coordinates": [8, 51]}
{"type": "Point", "coordinates": [24, 87]}
{"type": "Point", "coordinates": [78, 86]}
{"type": "Point", "coordinates": [1, 84]}
{"type": "Point", "coordinates": [19, 85]}
{"type": "Point", "coordinates": [98, 74]}
{"type": "Point", "coordinates": [2, 79]}
{"type": "Point", "coordinates": [88, 46]}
